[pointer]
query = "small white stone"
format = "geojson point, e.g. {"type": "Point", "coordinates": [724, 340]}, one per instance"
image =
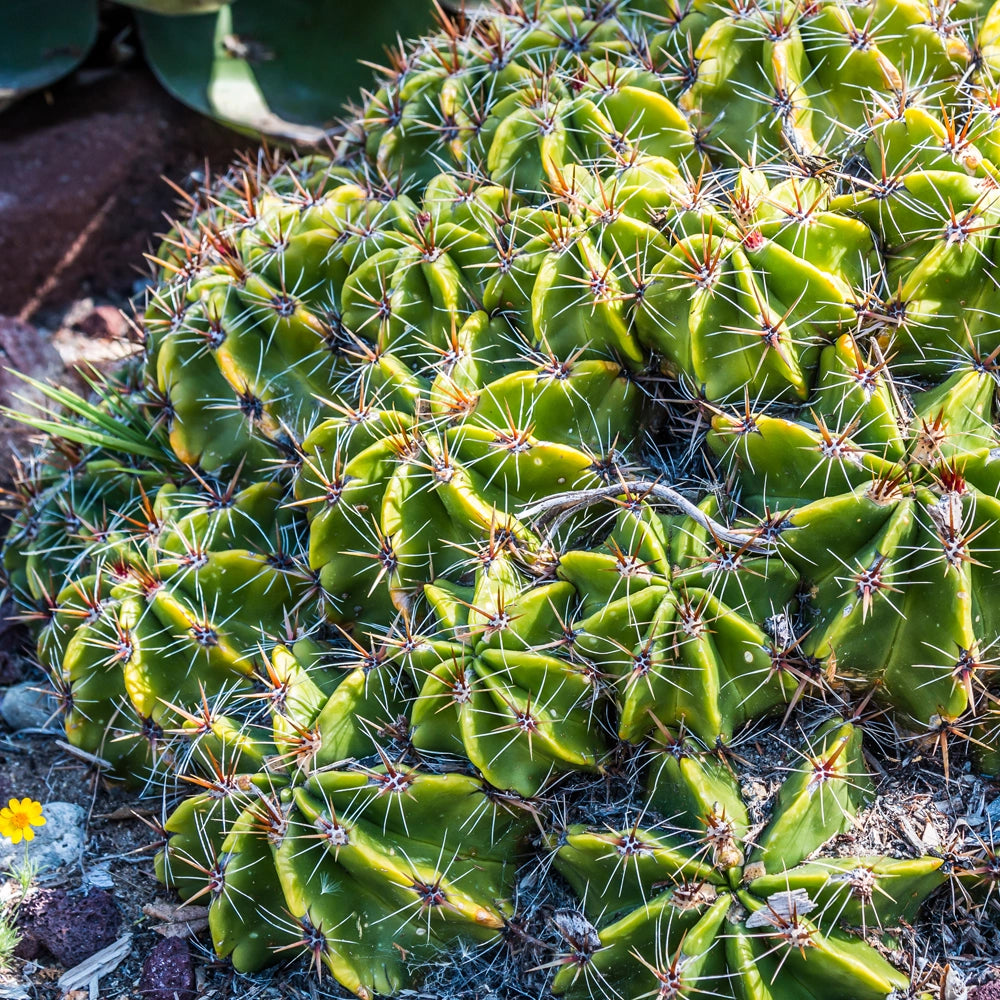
{"type": "Point", "coordinates": [27, 706]}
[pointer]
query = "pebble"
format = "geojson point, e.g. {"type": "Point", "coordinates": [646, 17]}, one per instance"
{"type": "Point", "coordinates": [58, 842]}
{"type": "Point", "coordinates": [27, 706]}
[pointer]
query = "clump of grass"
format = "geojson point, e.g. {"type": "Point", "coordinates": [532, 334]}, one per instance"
{"type": "Point", "coordinates": [10, 938]}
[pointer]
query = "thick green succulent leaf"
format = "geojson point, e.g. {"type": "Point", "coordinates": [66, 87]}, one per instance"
{"type": "Point", "coordinates": [42, 41]}
{"type": "Point", "coordinates": [177, 7]}
{"type": "Point", "coordinates": [278, 71]}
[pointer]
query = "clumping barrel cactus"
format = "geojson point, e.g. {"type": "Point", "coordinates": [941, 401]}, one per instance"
{"type": "Point", "coordinates": [625, 376]}
{"type": "Point", "coordinates": [889, 515]}
{"type": "Point", "coordinates": [685, 908]}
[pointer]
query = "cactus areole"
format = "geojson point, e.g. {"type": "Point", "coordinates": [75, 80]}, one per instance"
{"type": "Point", "coordinates": [625, 376]}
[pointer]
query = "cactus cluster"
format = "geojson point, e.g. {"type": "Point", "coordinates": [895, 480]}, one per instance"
{"type": "Point", "coordinates": [627, 374]}
{"type": "Point", "coordinates": [728, 917]}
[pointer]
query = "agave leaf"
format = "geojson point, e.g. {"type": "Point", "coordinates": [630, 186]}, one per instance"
{"type": "Point", "coordinates": [41, 41]}
{"type": "Point", "coordinates": [280, 70]}
{"type": "Point", "coordinates": [177, 7]}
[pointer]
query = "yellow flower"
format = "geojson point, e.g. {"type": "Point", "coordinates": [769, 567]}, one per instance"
{"type": "Point", "coordinates": [18, 818]}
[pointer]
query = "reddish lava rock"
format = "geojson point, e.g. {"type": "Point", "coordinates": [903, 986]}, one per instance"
{"type": "Point", "coordinates": [70, 927]}
{"type": "Point", "coordinates": [168, 972]}
{"type": "Point", "coordinates": [991, 991]}
{"type": "Point", "coordinates": [31, 910]}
